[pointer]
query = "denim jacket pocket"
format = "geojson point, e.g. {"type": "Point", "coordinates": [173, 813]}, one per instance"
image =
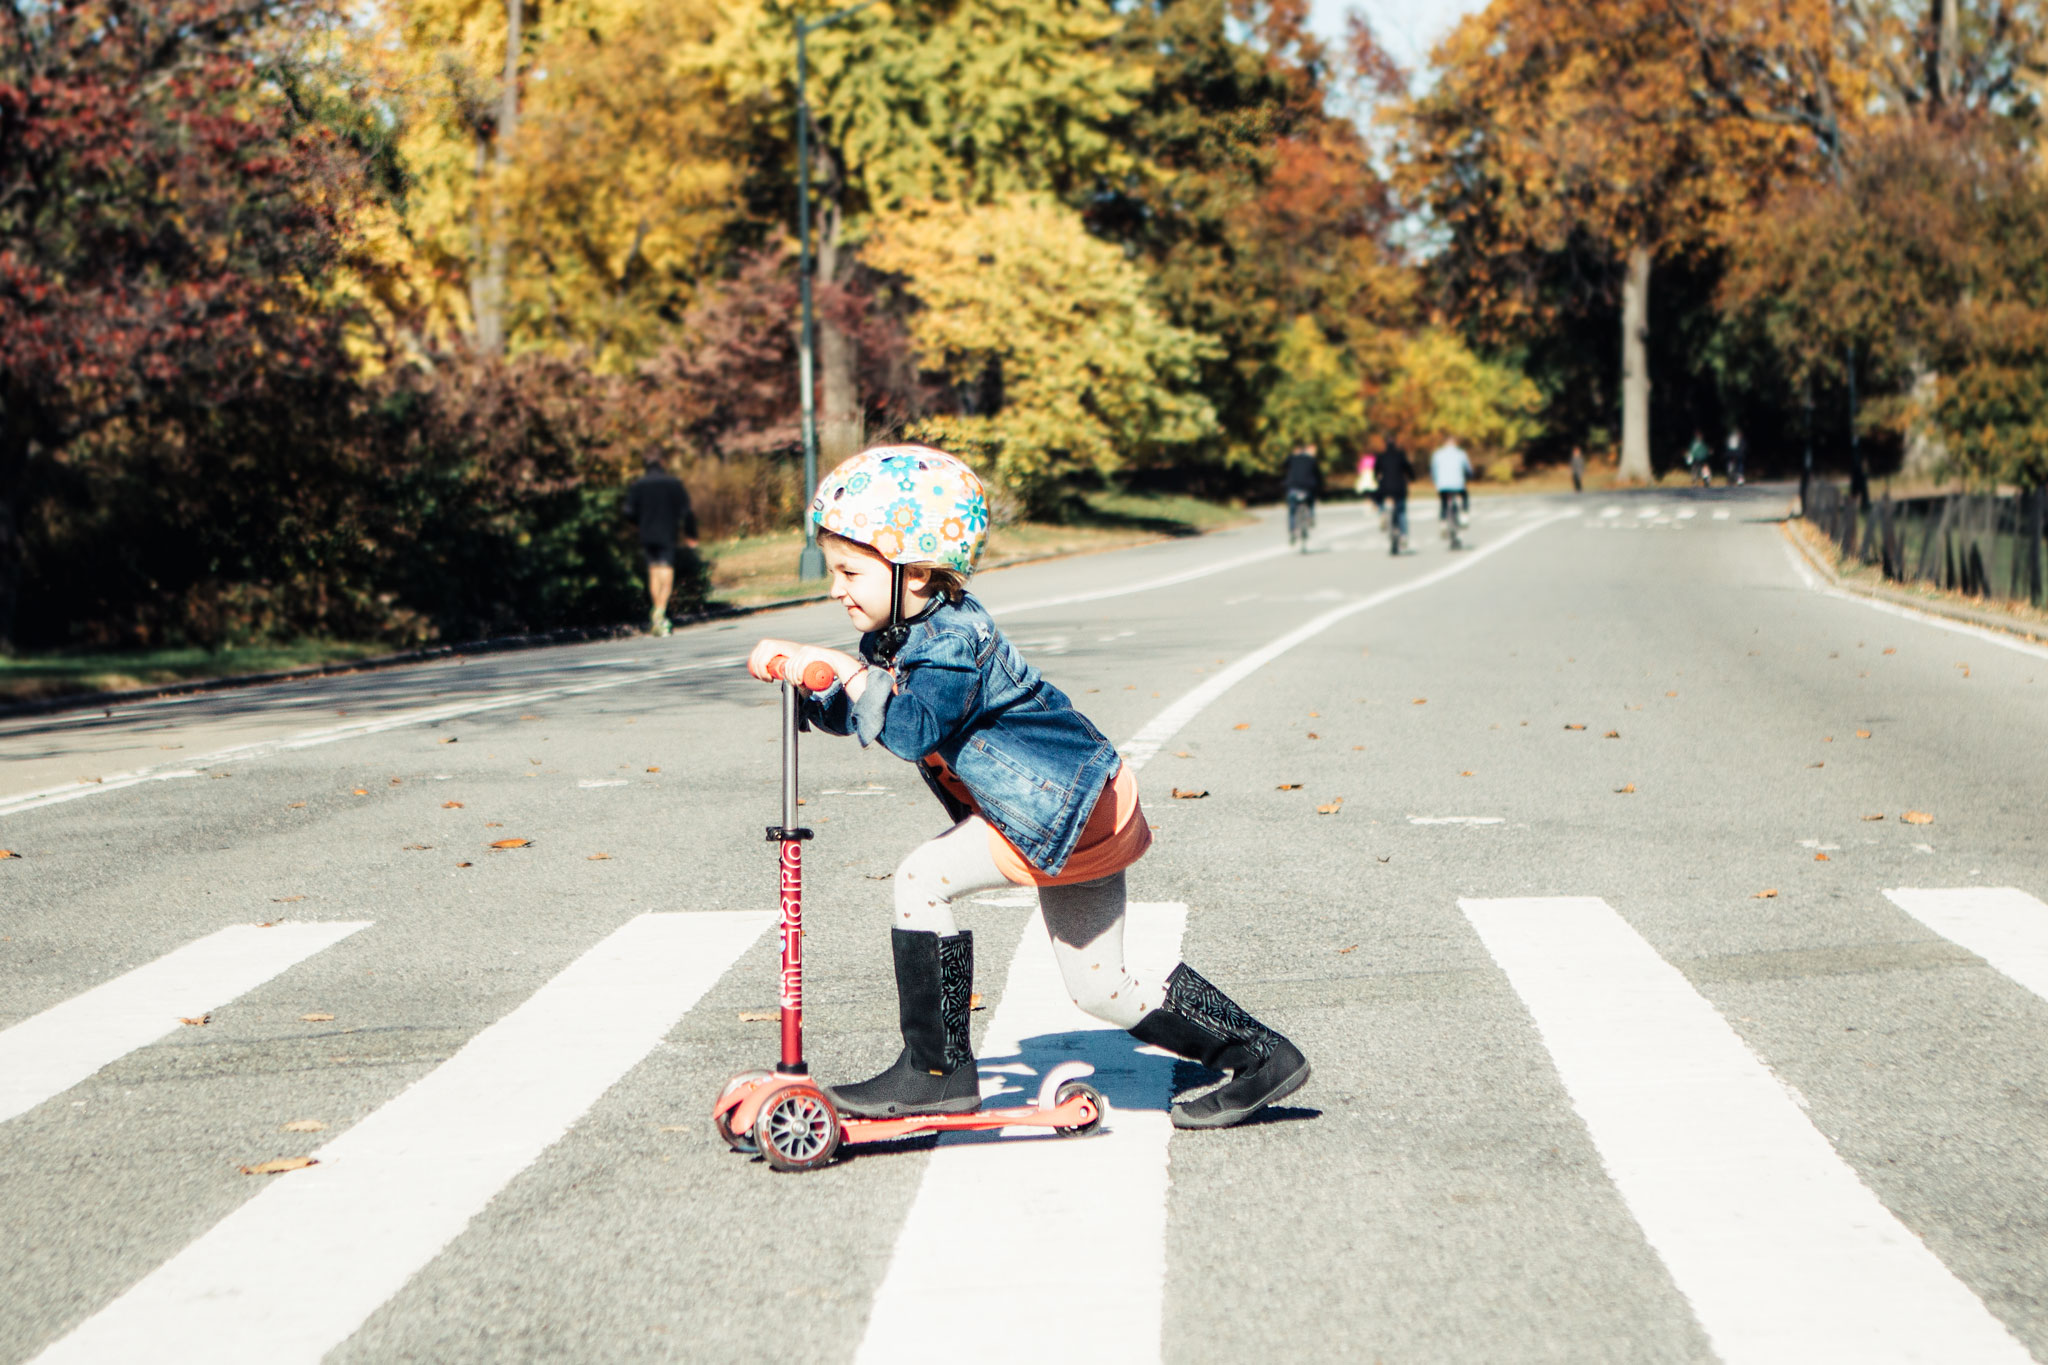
{"type": "Point", "coordinates": [1016, 797]}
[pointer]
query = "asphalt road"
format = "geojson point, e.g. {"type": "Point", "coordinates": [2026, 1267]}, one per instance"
{"type": "Point", "coordinates": [1612, 1064]}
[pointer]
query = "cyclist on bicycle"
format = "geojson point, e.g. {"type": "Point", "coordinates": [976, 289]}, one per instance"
{"type": "Point", "coordinates": [1449, 468]}
{"type": "Point", "coordinates": [1304, 483]}
{"type": "Point", "coordinates": [1395, 473]}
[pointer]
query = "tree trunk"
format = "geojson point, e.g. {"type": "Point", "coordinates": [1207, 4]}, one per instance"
{"type": "Point", "coordinates": [1635, 368]}
{"type": "Point", "coordinates": [487, 289]}
{"type": "Point", "coordinates": [1941, 57]}
{"type": "Point", "coordinates": [1925, 449]}
{"type": "Point", "coordinates": [14, 451]}
{"type": "Point", "coordinates": [840, 413]}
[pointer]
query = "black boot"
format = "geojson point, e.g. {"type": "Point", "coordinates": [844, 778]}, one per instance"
{"type": "Point", "coordinates": [1201, 1023]}
{"type": "Point", "coordinates": [935, 1072]}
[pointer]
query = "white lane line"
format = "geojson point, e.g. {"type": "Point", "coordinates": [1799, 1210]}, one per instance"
{"type": "Point", "coordinates": [1647, 512]}
{"type": "Point", "coordinates": [1610, 511]}
{"type": "Point", "coordinates": [1720, 514]}
{"type": "Point", "coordinates": [2001, 924]}
{"type": "Point", "coordinates": [187, 767]}
{"type": "Point", "coordinates": [1688, 513]}
{"type": "Point", "coordinates": [1457, 819]}
{"type": "Point", "coordinates": [393, 1191]}
{"type": "Point", "coordinates": [1079, 1222]}
{"type": "Point", "coordinates": [1996, 637]}
{"type": "Point", "coordinates": [48, 1053]}
{"type": "Point", "coordinates": [1147, 742]}
{"type": "Point", "coordinates": [1785, 1256]}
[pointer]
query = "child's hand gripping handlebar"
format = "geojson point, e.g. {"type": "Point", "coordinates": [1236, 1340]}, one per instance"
{"type": "Point", "coordinates": [816, 678]}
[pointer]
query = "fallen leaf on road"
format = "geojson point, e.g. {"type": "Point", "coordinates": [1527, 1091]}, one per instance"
{"type": "Point", "coordinates": [1863, 734]}
{"type": "Point", "coordinates": [360, 791]}
{"type": "Point", "coordinates": [1670, 694]}
{"type": "Point", "coordinates": [1180, 795]}
{"type": "Point", "coordinates": [1313, 735]}
{"type": "Point", "coordinates": [465, 864]}
{"type": "Point", "coordinates": [529, 718]}
{"type": "Point", "coordinates": [974, 1001]}
{"type": "Point", "coordinates": [316, 1018]}
{"type": "Point", "coordinates": [598, 858]}
{"type": "Point", "coordinates": [1816, 765]}
{"type": "Point", "coordinates": [1182, 753]}
{"type": "Point", "coordinates": [1288, 787]}
{"type": "Point", "coordinates": [1352, 949]}
{"type": "Point", "coordinates": [450, 740]}
{"type": "Point", "coordinates": [759, 1016]}
{"type": "Point", "coordinates": [6, 853]}
{"type": "Point", "coordinates": [654, 770]}
{"type": "Point", "coordinates": [1315, 715]}
{"type": "Point", "coordinates": [510, 843]}
{"type": "Point", "coordinates": [1468, 773]}
{"type": "Point", "coordinates": [1827, 739]}
{"type": "Point", "coordinates": [1332, 808]}
{"type": "Point", "coordinates": [201, 1022]}
{"type": "Point", "coordinates": [280, 1166]}
{"type": "Point", "coordinates": [1891, 651]}
{"type": "Point", "coordinates": [1624, 791]}
{"type": "Point", "coordinates": [1769, 893]}
{"type": "Point", "coordinates": [1612, 734]}
{"type": "Point", "coordinates": [1878, 816]}
{"type": "Point", "coordinates": [1574, 727]}
{"type": "Point", "coordinates": [296, 805]}
{"type": "Point", "coordinates": [1242, 725]}
{"type": "Point", "coordinates": [1822, 858]}
{"type": "Point", "coordinates": [303, 1126]}
{"type": "Point", "coordinates": [451, 805]}
{"type": "Point", "coordinates": [417, 848]}
{"type": "Point", "coordinates": [397, 782]}
{"type": "Point", "coordinates": [285, 900]}
{"type": "Point", "coordinates": [878, 876]}
{"type": "Point", "coordinates": [1388, 859]}
{"type": "Point", "coordinates": [1917, 817]}
{"type": "Point", "coordinates": [1420, 701]}
{"type": "Point", "coordinates": [494, 824]}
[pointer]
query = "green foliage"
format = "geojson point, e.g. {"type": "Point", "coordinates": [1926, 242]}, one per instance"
{"type": "Point", "coordinates": [1440, 387]}
{"type": "Point", "coordinates": [1314, 398]}
{"type": "Point", "coordinates": [1061, 364]}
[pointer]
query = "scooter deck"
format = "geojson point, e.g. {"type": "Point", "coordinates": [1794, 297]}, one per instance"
{"type": "Point", "coordinates": [1077, 1112]}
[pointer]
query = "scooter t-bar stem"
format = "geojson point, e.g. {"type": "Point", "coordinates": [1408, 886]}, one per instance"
{"type": "Point", "coordinates": [789, 837]}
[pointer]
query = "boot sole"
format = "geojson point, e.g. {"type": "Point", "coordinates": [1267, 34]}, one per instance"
{"type": "Point", "coordinates": [967, 1105]}
{"type": "Point", "coordinates": [1228, 1117]}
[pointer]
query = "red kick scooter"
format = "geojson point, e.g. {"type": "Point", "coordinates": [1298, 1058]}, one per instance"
{"type": "Point", "coordinates": [785, 1116]}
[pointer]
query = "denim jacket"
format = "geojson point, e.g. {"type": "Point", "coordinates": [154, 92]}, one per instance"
{"type": "Point", "coordinates": [960, 690]}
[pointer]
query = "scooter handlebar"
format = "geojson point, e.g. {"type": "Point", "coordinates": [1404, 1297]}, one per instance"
{"type": "Point", "coordinates": [817, 677]}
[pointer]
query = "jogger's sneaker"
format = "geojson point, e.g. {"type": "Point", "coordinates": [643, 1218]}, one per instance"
{"type": "Point", "coordinates": [935, 1073]}
{"type": "Point", "coordinates": [1201, 1023]}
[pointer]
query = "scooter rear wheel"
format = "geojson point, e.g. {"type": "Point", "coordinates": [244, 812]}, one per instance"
{"type": "Point", "coordinates": [1069, 1091]}
{"type": "Point", "coordinates": [798, 1129]}
{"type": "Point", "coordinates": [721, 1117]}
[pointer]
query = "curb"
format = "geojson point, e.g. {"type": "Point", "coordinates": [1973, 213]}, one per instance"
{"type": "Point", "coordinates": [504, 644]}
{"type": "Point", "coordinates": [1991, 620]}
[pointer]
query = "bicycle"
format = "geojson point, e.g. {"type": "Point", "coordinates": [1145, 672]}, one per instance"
{"type": "Point", "coordinates": [1301, 516]}
{"type": "Point", "coordinates": [1454, 515]}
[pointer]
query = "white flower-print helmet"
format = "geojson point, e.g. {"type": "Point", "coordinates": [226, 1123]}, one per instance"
{"type": "Point", "coordinates": [910, 504]}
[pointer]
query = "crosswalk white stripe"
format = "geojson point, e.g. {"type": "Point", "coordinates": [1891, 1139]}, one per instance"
{"type": "Point", "coordinates": [1079, 1223]}
{"type": "Point", "coordinates": [1783, 1253]}
{"type": "Point", "coordinates": [293, 1272]}
{"type": "Point", "coordinates": [48, 1053]}
{"type": "Point", "coordinates": [2001, 924]}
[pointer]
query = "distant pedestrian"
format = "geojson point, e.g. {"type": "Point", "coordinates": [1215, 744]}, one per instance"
{"type": "Point", "coordinates": [659, 505]}
{"type": "Point", "coordinates": [1395, 472]}
{"type": "Point", "coordinates": [1578, 469]}
{"type": "Point", "coordinates": [1368, 477]}
{"type": "Point", "coordinates": [1738, 454]}
{"type": "Point", "coordinates": [1699, 459]}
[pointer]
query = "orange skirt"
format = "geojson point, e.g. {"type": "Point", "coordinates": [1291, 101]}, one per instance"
{"type": "Point", "coordinates": [1115, 836]}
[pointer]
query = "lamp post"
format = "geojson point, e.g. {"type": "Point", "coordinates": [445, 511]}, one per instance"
{"type": "Point", "coordinates": [811, 564]}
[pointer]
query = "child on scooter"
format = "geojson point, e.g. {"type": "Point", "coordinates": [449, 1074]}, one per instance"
{"type": "Point", "coordinates": [1038, 798]}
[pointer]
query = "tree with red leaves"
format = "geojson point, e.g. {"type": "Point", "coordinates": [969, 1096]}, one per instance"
{"type": "Point", "coordinates": [168, 219]}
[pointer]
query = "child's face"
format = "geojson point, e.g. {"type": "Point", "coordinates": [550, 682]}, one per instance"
{"type": "Point", "coordinates": [860, 581]}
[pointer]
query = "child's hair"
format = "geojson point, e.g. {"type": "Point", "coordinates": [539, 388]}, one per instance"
{"type": "Point", "coordinates": [950, 584]}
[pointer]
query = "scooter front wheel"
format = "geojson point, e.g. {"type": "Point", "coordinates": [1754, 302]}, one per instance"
{"type": "Point", "coordinates": [1068, 1092]}
{"type": "Point", "coordinates": [798, 1129]}
{"type": "Point", "coordinates": [721, 1113]}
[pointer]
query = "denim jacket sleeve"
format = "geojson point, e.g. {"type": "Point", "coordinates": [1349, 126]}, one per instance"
{"type": "Point", "coordinates": [935, 691]}
{"type": "Point", "coordinates": [831, 711]}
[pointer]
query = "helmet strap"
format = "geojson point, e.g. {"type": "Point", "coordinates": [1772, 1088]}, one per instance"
{"type": "Point", "coordinates": [891, 637]}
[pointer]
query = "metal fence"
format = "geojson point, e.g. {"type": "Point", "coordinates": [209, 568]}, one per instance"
{"type": "Point", "coordinates": [1980, 544]}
